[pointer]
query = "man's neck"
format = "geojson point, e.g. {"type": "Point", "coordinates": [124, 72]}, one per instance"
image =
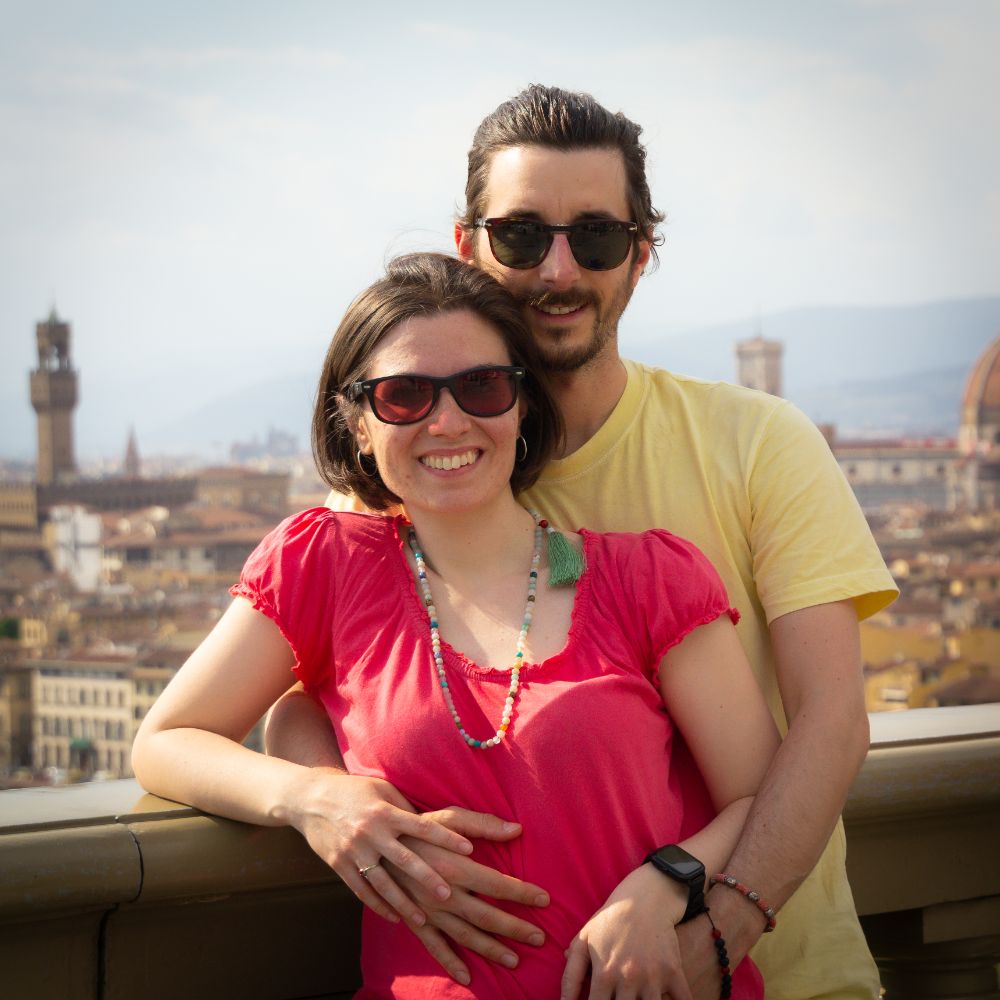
{"type": "Point", "coordinates": [586, 398]}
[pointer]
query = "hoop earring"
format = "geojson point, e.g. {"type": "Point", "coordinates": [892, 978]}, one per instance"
{"type": "Point", "coordinates": [521, 449]}
{"type": "Point", "coordinates": [359, 462]}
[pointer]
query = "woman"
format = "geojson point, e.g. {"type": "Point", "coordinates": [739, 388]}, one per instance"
{"type": "Point", "coordinates": [469, 653]}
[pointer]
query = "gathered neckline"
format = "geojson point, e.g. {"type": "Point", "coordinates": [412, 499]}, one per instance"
{"type": "Point", "coordinates": [455, 657]}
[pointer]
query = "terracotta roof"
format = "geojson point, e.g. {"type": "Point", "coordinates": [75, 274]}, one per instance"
{"type": "Point", "coordinates": [979, 689]}
{"type": "Point", "coordinates": [977, 570]}
{"type": "Point", "coordinates": [983, 386]}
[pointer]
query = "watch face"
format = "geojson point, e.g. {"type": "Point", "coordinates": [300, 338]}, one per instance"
{"type": "Point", "coordinates": [683, 863]}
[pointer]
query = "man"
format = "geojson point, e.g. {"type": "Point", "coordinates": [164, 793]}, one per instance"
{"type": "Point", "coordinates": [552, 176]}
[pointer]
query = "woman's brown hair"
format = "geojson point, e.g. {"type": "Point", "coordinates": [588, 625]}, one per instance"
{"type": "Point", "coordinates": [422, 284]}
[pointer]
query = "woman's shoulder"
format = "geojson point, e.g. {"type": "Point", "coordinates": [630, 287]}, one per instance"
{"type": "Point", "coordinates": [653, 546]}
{"type": "Point", "coordinates": [320, 525]}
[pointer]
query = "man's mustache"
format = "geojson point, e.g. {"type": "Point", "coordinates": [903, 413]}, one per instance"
{"type": "Point", "coordinates": [571, 299]}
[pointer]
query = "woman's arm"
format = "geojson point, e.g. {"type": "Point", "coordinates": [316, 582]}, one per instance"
{"type": "Point", "coordinates": [630, 945]}
{"type": "Point", "coordinates": [188, 749]}
{"type": "Point", "coordinates": [188, 746]}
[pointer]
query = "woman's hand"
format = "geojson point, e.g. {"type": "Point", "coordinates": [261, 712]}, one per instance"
{"type": "Point", "coordinates": [354, 822]}
{"type": "Point", "coordinates": [423, 870]}
{"type": "Point", "coordinates": [464, 917]}
{"type": "Point", "coordinates": [630, 946]}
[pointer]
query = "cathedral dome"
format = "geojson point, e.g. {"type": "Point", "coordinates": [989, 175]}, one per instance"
{"type": "Point", "coordinates": [981, 400]}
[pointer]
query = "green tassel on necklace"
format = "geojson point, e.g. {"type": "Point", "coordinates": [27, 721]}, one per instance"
{"type": "Point", "coordinates": [566, 561]}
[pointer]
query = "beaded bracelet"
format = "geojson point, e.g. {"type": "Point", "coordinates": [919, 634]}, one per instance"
{"type": "Point", "coordinates": [721, 954]}
{"type": "Point", "coordinates": [750, 894]}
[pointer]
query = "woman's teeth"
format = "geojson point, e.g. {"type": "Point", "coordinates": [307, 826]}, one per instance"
{"type": "Point", "coordinates": [450, 461]}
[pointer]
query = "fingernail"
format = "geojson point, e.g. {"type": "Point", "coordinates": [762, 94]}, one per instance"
{"type": "Point", "coordinates": [511, 827]}
{"type": "Point", "coordinates": [419, 919]}
{"type": "Point", "coordinates": [466, 847]}
{"type": "Point", "coordinates": [509, 960]}
{"type": "Point", "coordinates": [542, 899]}
{"type": "Point", "coordinates": [537, 939]}
{"type": "Point", "coordinates": [442, 892]}
{"type": "Point", "coordinates": [462, 976]}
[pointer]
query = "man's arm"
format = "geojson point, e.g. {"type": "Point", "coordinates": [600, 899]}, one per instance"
{"type": "Point", "coordinates": [818, 658]}
{"type": "Point", "coordinates": [435, 888]}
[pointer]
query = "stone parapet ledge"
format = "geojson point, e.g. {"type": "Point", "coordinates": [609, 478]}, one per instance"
{"type": "Point", "coordinates": [108, 892]}
{"type": "Point", "coordinates": [923, 834]}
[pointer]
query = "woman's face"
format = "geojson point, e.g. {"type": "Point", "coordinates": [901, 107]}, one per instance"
{"type": "Point", "coordinates": [449, 461]}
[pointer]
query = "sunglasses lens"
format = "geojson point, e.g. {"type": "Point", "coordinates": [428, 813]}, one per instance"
{"type": "Point", "coordinates": [485, 392]}
{"type": "Point", "coordinates": [600, 246]}
{"type": "Point", "coordinates": [518, 244]}
{"type": "Point", "coordinates": [402, 400]}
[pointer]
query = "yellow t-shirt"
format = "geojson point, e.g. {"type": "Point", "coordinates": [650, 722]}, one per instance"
{"type": "Point", "coordinates": [751, 481]}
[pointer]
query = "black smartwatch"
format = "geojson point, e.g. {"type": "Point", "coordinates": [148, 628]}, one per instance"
{"type": "Point", "coordinates": [685, 868]}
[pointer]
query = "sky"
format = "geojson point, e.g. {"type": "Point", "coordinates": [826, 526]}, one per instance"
{"type": "Point", "coordinates": [202, 188]}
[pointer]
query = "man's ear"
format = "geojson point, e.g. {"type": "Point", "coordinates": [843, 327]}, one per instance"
{"type": "Point", "coordinates": [641, 260]}
{"type": "Point", "coordinates": [463, 242]}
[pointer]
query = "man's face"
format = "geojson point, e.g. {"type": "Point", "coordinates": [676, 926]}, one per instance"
{"type": "Point", "coordinates": [573, 312]}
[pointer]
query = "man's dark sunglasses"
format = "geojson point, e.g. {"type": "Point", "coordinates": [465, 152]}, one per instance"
{"type": "Point", "coordinates": [597, 244]}
{"type": "Point", "coordinates": [486, 391]}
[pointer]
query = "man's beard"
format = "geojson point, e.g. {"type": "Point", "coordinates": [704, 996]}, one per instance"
{"type": "Point", "coordinates": [565, 359]}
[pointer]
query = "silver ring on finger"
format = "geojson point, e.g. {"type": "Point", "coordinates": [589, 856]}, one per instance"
{"type": "Point", "coordinates": [363, 872]}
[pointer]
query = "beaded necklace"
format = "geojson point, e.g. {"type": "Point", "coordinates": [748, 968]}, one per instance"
{"type": "Point", "coordinates": [515, 670]}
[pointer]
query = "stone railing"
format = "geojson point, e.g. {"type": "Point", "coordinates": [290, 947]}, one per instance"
{"type": "Point", "coordinates": [923, 854]}
{"type": "Point", "coordinates": [109, 893]}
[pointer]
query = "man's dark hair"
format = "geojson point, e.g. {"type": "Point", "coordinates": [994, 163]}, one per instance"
{"type": "Point", "coordinates": [424, 285]}
{"type": "Point", "coordinates": [564, 120]}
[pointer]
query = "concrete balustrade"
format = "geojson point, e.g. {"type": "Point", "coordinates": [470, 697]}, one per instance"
{"type": "Point", "coordinates": [106, 892]}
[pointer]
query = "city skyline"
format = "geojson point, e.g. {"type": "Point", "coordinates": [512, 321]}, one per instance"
{"type": "Point", "coordinates": [204, 190]}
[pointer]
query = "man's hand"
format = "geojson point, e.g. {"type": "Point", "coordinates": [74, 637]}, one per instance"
{"type": "Point", "coordinates": [463, 917]}
{"type": "Point", "coordinates": [699, 957]}
{"type": "Point", "coordinates": [424, 870]}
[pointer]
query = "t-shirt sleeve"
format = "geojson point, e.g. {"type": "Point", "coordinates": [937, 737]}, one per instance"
{"type": "Point", "coordinates": [674, 589]}
{"type": "Point", "coordinates": [810, 541]}
{"type": "Point", "coordinates": [289, 578]}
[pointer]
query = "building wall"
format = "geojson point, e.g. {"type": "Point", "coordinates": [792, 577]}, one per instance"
{"type": "Point", "coordinates": [901, 474]}
{"type": "Point", "coordinates": [19, 506]}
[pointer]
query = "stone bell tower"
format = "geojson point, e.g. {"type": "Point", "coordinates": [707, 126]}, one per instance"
{"type": "Point", "coordinates": [758, 363]}
{"type": "Point", "coordinates": [54, 396]}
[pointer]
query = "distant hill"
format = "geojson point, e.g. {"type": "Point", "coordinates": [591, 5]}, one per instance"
{"type": "Point", "coordinates": [919, 405]}
{"type": "Point", "coordinates": [894, 369]}
{"type": "Point", "coordinates": [836, 345]}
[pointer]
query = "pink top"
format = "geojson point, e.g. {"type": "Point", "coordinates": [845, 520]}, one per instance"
{"type": "Point", "coordinates": [592, 766]}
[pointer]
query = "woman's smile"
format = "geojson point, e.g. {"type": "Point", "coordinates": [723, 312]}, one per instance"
{"type": "Point", "coordinates": [451, 461]}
